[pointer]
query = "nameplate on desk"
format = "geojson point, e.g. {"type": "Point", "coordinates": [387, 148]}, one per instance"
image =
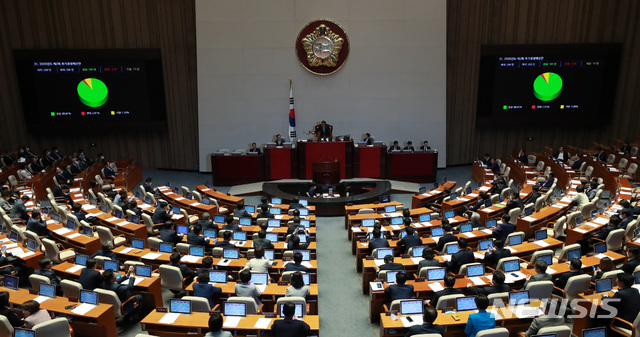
{"type": "Point", "coordinates": [420, 279]}
{"type": "Point", "coordinates": [283, 283]}
{"type": "Point", "coordinates": [161, 309]}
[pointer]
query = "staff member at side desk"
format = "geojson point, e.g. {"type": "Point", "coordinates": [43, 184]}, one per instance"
{"type": "Point", "coordinates": [425, 146]}
{"type": "Point", "coordinates": [368, 139]}
{"type": "Point", "coordinates": [409, 147]}
{"type": "Point", "coordinates": [254, 149]}
{"type": "Point", "coordinates": [394, 147]}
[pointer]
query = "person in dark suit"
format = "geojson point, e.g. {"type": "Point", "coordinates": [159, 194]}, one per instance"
{"type": "Point", "coordinates": [226, 236]}
{"type": "Point", "coordinates": [62, 191]}
{"type": "Point", "coordinates": [601, 156]}
{"type": "Point", "coordinates": [535, 194]}
{"type": "Point", "coordinates": [35, 166]}
{"type": "Point", "coordinates": [324, 131]}
{"type": "Point", "coordinates": [254, 149]}
{"type": "Point", "coordinates": [447, 237]}
{"type": "Point", "coordinates": [207, 265]}
{"type": "Point", "coordinates": [549, 182]}
{"type": "Point", "coordinates": [215, 326]}
{"type": "Point", "coordinates": [492, 257]}
{"type": "Point", "coordinates": [75, 168]}
{"type": "Point", "coordinates": [313, 191]}
{"type": "Point", "coordinates": [161, 215]}
{"type": "Point", "coordinates": [202, 288]}
{"type": "Point", "coordinates": [168, 234]}
{"type": "Point", "coordinates": [514, 202]}
{"type": "Point", "coordinates": [540, 267]}
{"type": "Point", "coordinates": [487, 159]}
{"type": "Point", "coordinates": [279, 140]}
{"type": "Point", "coordinates": [240, 212]}
{"type": "Point", "coordinates": [462, 257]}
{"type": "Point", "coordinates": [633, 252]}
{"type": "Point", "coordinates": [60, 177]}
{"type": "Point", "coordinates": [627, 216]}
{"type": "Point", "coordinates": [409, 146]}
{"type": "Point", "coordinates": [522, 157]}
{"type": "Point", "coordinates": [378, 241]}
{"type": "Point", "coordinates": [561, 155]}
{"type": "Point", "coordinates": [231, 224]}
{"type": "Point", "coordinates": [295, 205]}
{"type": "Point", "coordinates": [613, 223]}
{"type": "Point", "coordinates": [264, 208]}
{"type": "Point", "coordinates": [425, 146]}
{"type": "Point", "coordinates": [493, 166]}
{"type": "Point", "coordinates": [394, 147]}
{"type": "Point", "coordinates": [550, 318]}
{"type": "Point", "coordinates": [5, 311]}
{"type": "Point", "coordinates": [6, 158]}
{"type": "Point", "coordinates": [429, 259]}
{"type": "Point", "coordinates": [289, 327]}
{"type": "Point", "coordinates": [147, 185]}
{"type": "Point", "coordinates": [117, 285]}
{"type": "Point", "coordinates": [175, 261]}
{"type": "Point", "coordinates": [368, 139]}
{"type": "Point", "coordinates": [109, 173]}
{"type": "Point", "coordinates": [400, 290]}
{"type": "Point", "coordinates": [293, 241]}
{"type": "Point", "coordinates": [497, 285]}
{"type": "Point", "coordinates": [45, 270]}
{"type": "Point", "coordinates": [105, 250]}
{"type": "Point", "coordinates": [133, 207]}
{"type": "Point", "coordinates": [206, 223]}
{"type": "Point", "coordinates": [427, 326]}
{"type": "Point", "coordinates": [19, 210]}
{"type": "Point", "coordinates": [77, 211]}
{"type": "Point", "coordinates": [504, 228]}
{"type": "Point", "coordinates": [577, 163]}
{"type": "Point", "coordinates": [90, 278]}
{"type": "Point", "coordinates": [262, 240]}
{"type": "Point", "coordinates": [411, 240]}
{"type": "Point", "coordinates": [628, 304]}
{"type": "Point", "coordinates": [37, 225]}
{"type": "Point", "coordinates": [574, 270]}
{"type": "Point", "coordinates": [297, 264]}
{"type": "Point", "coordinates": [389, 264]}
{"type": "Point", "coordinates": [449, 282]}
{"type": "Point", "coordinates": [194, 238]}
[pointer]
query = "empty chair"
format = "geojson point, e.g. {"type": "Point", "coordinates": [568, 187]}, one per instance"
{"type": "Point", "coordinates": [154, 243]}
{"type": "Point", "coordinates": [563, 252]}
{"type": "Point", "coordinates": [36, 280]}
{"type": "Point", "coordinates": [537, 253]}
{"type": "Point", "coordinates": [496, 332]}
{"type": "Point", "coordinates": [250, 302]}
{"type": "Point", "coordinates": [531, 159]}
{"type": "Point", "coordinates": [447, 301]}
{"type": "Point", "coordinates": [611, 158]}
{"type": "Point", "coordinates": [558, 228]}
{"type": "Point", "coordinates": [586, 209]}
{"type": "Point", "coordinates": [57, 327]}
{"type": "Point", "coordinates": [629, 231]}
{"type": "Point", "coordinates": [631, 171]}
{"type": "Point", "coordinates": [56, 255]}
{"type": "Point", "coordinates": [540, 289]}
{"type": "Point", "coordinates": [559, 331]}
{"type": "Point", "coordinates": [198, 304]}
{"type": "Point", "coordinates": [623, 164]}
{"type": "Point", "coordinates": [501, 262]}
{"type": "Point", "coordinates": [148, 222]}
{"type": "Point", "coordinates": [171, 278]}
{"type": "Point", "coordinates": [586, 176]}
{"type": "Point", "coordinates": [183, 248]}
{"type": "Point", "coordinates": [540, 167]}
{"type": "Point", "coordinates": [197, 196]}
{"type": "Point", "coordinates": [70, 288]}
{"type": "Point", "coordinates": [366, 211]}
{"type": "Point", "coordinates": [571, 219]}
{"type": "Point", "coordinates": [6, 329]}
{"type": "Point", "coordinates": [576, 285]}
{"type": "Point", "coordinates": [120, 309]}
{"type": "Point", "coordinates": [501, 297]}
{"type": "Point", "coordinates": [105, 235]}
{"type": "Point", "coordinates": [515, 234]}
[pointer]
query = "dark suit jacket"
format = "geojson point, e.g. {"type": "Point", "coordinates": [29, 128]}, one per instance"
{"type": "Point", "coordinates": [491, 260]}
{"type": "Point", "coordinates": [160, 216]}
{"type": "Point", "coordinates": [409, 241]}
{"type": "Point", "coordinates": [148, 188]}
{"type": "Point", "coordinates": [448, 237]}
{"type": "Point", "coordinates": [19, 211]}
{"type": "Point", "coordinates": [378, 243]}
{"type": "Point", "coordinates": [234, 227]}
{"type": "Point", "coordinates": [207, 291]}
{"type": "Point", "coordinates": [428, 263]}
{"type": "Point", "coordinates": [323, 132]}
{"type": "Point", "coordinates": [224, 244]}
{"type": "Point", "coordinates": [256, 150]}
{"type": "Point", "coordinates": [399, 291]}
{"type": "Point", "coordinates": [300, 245]}
{"type": "Point", "coordinates": [265, 243]}
{"type": "Point", "coordinates": [460, 258]}
{"type": "Point", "coordinates": [186, 272]}
{"type": "Point", "coordinates": [207, 224]}
{"type": "Point", "coordinates": [90, 279]}
{"type": "Point", "coordinates": [194, 239]}
{"type": "Point", "coordinates": [523, 159]}
{"type": "Point", "coordinates": [38, 227]}
{"type": "Point", "coordinates": [240, 213]}
{"type": "Point", "coordinates": [392, 266]}
{"type": "Point", "coordinates": [13, 318]}
{"type": "Point", "coordinates": [561, 282]}
{"type": "Point", "coordinates": [503, 230]}
{"type": "Point", "coordinates": [122, 290]}
{"type": "Point", "coordinates": [169, 236]}
{"type": "Point", "coordinates": [295, 267]}
{"type": "Point", "coordinates": [288, 327]}
{"type": "Point", "coordinates": [265, 215]}
{"type": "Point", "coordinates": [62, 179]}
{"type": "Point", "coordinates": [489, 290]}
{"type": "Point", "coordinates": [50, 274]}
{"type": "Point", "coordinates": [631, 265]}
{"type": "Point", "coordinates": [279, 142]}
{"type": "Point", "coordinates": [108, 172]}
{"type": "Point", "coordinates": [604, 232]}
{"type": "Point", "coordinates": [533, 198]}
{"type": "Point", "coordinates": [445, 291]}
{"type": "Point", "coordinates": [425, 328]}
{"type": "Point", "coordinates": [108, 254]}
{"type": "Point", "coordinates": [629, 303]}
{"type": "Point", "coordinates": [565, 156]}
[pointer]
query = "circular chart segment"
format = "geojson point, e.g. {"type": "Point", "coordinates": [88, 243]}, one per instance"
{"type": "Point", "coordinates": [92, 92]}
{"type": "Point", "coordinates": [547, 86]}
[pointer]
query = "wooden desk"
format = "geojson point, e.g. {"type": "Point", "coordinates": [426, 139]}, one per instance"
{"type": "Point", "coordinates": [98, 322]}
{"type": "Point", "coordinates": [74, 239]}
{"type": "Point", "coordinates": [417, 166]}
{"type": "Point", "coordinates": [191, 206]}
{"type": "Point", "coordinates": [30, 261]}
{"type": "Point", "coordinates": [197, 324]}
{"type": "Point", "coordinates": [420, 200]}
{"type": "Point", "coordinates": [237, 169]}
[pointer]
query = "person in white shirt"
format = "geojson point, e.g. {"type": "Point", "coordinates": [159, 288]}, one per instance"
{"type": "Point", "coordinates": [297, 287]}
{"type": "Point", "coordinates": [580, 199]}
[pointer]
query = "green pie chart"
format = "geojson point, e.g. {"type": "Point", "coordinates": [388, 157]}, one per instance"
{"type": "Point", "coordinates": [92, 92]}
{"type": "Point", "coordinates": [547, 86]}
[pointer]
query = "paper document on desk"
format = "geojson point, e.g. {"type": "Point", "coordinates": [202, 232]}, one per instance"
{"type": "Point", "coordinates": [262, 323]}
{"type": "Point", "coordinates": [469, 234]}
{"type": "Point", "coordinates": [169, 318]}
{"type": "Point", "coordinates": [4, 240]}
{"type": "Point", "coordinates": [511, 249]}
{"type": "Point", "coordinates": [79, 195]}
{"type": "Point", "coordinates": [601, 255]}
{"type": "Point", "coordinates": [542, 243]}
{"type": "Point", "coordinates": [177, 216]}
{"type": "Point", "coordinates": [446, 258]}
{"type": "Point", "coordinates": [50, 222]}
{"type": "Point", "coordinates": [601, 221]}
{"type": "Point", "coordinates": [261, 287]}
{"type": "Point", "coordinates": [189, 259]}
{"type": "Point", "coordinates": [15, 251]}
{"type": "Point", "coordinates": [453, 220]}
{"type": "Point", "coordinates": [477, 281]}
{"type": "Point", "coordinates": [484, 188]}
{"type": "Point", "coordinates": [143, 206]}
{"type": "Point", "coordinates": [113, 218]}
{"type": "Point", "coordinates": [138, 280]}
{"type": "Point", "coordinates": [435, 286]}
{"type": "Point", "coordinates": [551, 271]}
{"type": "Point", "coordinates": [395, 227]}
{"type": "Point", "coordinates": [279, 216]}
{"type": "Point", "coordinates": [529, 218]}
{"type": "Point", "coordinates": [526, 311]}
{"type": "Point", "coordinates": [83, 308]}
{"type": "Point", "coordinates": [306, 264]}
{"type": "Point", "coordinates": [74, 269]}
{"type": "Point", "coordinates": [126, 250]}
{"type": "Point", "coordinates": [41, 299]}
{"type": "Point", "coordinates": [487, 231]}
{"type": "Point", "coordinates": [415, 320]}
{"type": "Point", "coordinates": [11, 245]}
{"type": "Point", "coordinates": [181, 198]}
{"type": "Point", "coordinates": [62, 231]}
{"type": "Point", "coordinates": [73, 236]}
{"type": "Point", "coordinates": [25, 255]}
{"type": "Point", "coordinates": [580, 230]}
{"type": "Point", "coordinates": [495, 314]}
{"type": "Point", "coordinates": [376, 286]}
{"type": "Point", "coordinates": [472, 195]}
{"type": "Point", "coordinates": [436, 238]}
{"type": "Point", "coordinates": [224, 262]}
{"type": "Point", "coordinates": [151, 256]}
{"type": "Point", "coordinates": [231, 322]}
{"type": "Point", "coordinates": [378, 262]}
{"type": "Point", "coordinates": [416, 260]}
{"type": "Point", "coordinates": [478, 255]}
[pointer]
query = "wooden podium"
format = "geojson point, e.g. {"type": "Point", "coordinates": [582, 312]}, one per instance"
{"type": "Point", "coordinates": [326, 173]}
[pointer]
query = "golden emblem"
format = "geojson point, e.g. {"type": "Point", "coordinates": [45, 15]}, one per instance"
{"type": "Point", "coordinates": [322, 47]}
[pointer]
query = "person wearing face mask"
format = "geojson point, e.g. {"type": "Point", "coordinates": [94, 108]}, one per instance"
{"type": "Point", "coordinates": [55, 154]}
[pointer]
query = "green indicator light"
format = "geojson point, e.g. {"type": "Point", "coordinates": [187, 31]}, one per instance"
{"type": "Point", "coordinates": [53, 114]}
{"type": "Point", "coordinates": [92, 92]}
{"type": "Point", "coordinates": [504, 107]}
{"type": "Point", "coordinates": [547, 86]}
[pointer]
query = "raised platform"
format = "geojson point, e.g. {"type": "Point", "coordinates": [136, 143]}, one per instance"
{"type": "Point", "coordinates": [360, 192]}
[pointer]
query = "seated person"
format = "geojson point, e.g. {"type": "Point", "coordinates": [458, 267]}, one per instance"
{"type": "Point", "coordinates": [535, 194]}
{"type": "Point", "coordinates": [120, 198]}
{"type": "Point", "coordinates": [295, 205]}
{"type": "Point", "coordinates": [400, 290]}
{"type": "Point", "coordinates": [5, 311]}
{"type": "Point", "coordinates": [550, 318]}
{"type": "Point", "coordinates": [522, 157]}
{"type": "Point", "coordinates": [259, 263]}
{"type": "Point", "coordinates": [481, 203]}
{"type": "Point", "coordinates": [574, 270]}
{"type": "Point", "coordinates": [254, 149]}
{"type": "Point", "coordinates": [174, 260]}
{"type": "Point", "coordinates": [593, 190]}
{"type": "Point", "coordinates": [297, 287]}
{"type": "Point", "coordinates": [394, 147]}
{"type": "Point", "coordinates": [245, 289]}
{"type": "Point", "coordinates": [169, 235]}
{"type": "Point", "coordinates": [90, 278]}
{"type": "Point", "coordinates": [411, 240]}
{"type": "Point", "coordinates": [437, 205]}
{"type": "Point", "coordinates": [492, 257]}
{"type": "Point", "coordinates": [288, 326]}
{"type": "Point", "coordinates": [279, 141]}
{"type": "Point", "coordinates": [226, 243]}
{"type": "Point", "coordinates": [425, 146]}
{"type": "Point", "coordinates": [147, 185]}
{"type": "Point", "coordinates": [429, 259]}
{"type": "Point", "coordinates": [19, 210]}
{"type": "Point", "coordinates": [613, 223]}
{"type": "Point", "coordinates": [627, 299]}
{"type": "Point", "coordinates": [606, 265]}
{"type": "Point", "coordinates": [514, 202]}
{"type": "Point", "coordinates": [378, 241]}
{"type": "Point", "coordinates": [562, 155]}
{"type": "Point", "coordinates": [324, 131]}
{"type": "Point", "coordinates": [194, 238]}
{"type": "Point", "coordinates": [231, 224]}
{"type": "Point", "coordinates": [494, 167]}
{"type": "Point", "coordinates": [264, 208]}
{"type": "Point", "coordinates": [240, 212]}
{"type": "Point", "coordinates": [580, 199]}
{"type": "Point", "coordinates": [161, 214]}
{"type": "Point", "coordinates": [206, 223]}
{"type": "Point", "coordinates": [123, 290]}
{"type": "Point", "coordinates": [409, 147]}
{"type": "Point", "coordinates": [202, 288]}
{"type": "Point", "coordinates": [105, 251]}
{"type": "Point", "coordinates": [207, 265]}
{"type": "Point", "coordinates": [449, 282]}
{"type": "Point", "coordinates": [45, 270]}
{"type": "Point", "coordinates": [296, 265]}
{"type": "Point", "coordinates": [62, 191]}
{"type": "Point", "coordinates": [633, 252]}
{"type": "Point", "coordinates": [293, 241]}
{"type": "Point", "coordinates": [447, 237]}
{"type": "Point", "coordinates": [77, 211]}
{"type": "Point", "coordinates": [215, 326]}
{"type": "Point", "coordinates": [497, 285]}
{"type": "Point", "coordinates": [504, 228]}
{"type": "Point", "coordinates": [482, 320]}
{"type": "Point", "coordinates": [4, 201]}
{"type": "Point", "coordinates": [549, 182]}
{"type": "Point", "coordinates": [462, 257]}
{"type": "Point", "coordinates": [37, 225]}
{"type": "Point", "coordinates": [33, 315]}
{"type": "Point", "coordinates": [367, 138]}
{"type": "Point", "coordinates": [262, 241]}
{"type": "Point", "coordinates": [540, 267]}
{"type": "Point", "coordinates": [577, 162]}
{"type": "Point", "coordinates": [388, 264]}
{"type": "Point", "coordinates": [427, 327]}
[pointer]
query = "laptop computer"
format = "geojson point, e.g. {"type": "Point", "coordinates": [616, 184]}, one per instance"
{"type": "Point", "coordinates": [275, 210]}
{"type": "Point", "coordinates": [90, 297]}
{"type": "Point", "coordinates": [276, 201]}
{"type": "Point", "coordinates": [250, 209]}
{"type": "Point", "coordinates": [573, 254]}
{"type": "Point", "coordinates": [180, 306]}
{"type": "Point", "coordinates": [231, 253]}
{"type": "Point", "coordinates": [515, 240]}
{"type": "Point", "coordinates": [31, 244]}
{"type": "Point", "coordinates": [81, 259]}
{"type": "Point", "coordinates": [117, 213]}
{"type": "Point", "coordinates": [87, 231]}
{"type": "Point", "coordinates": [519, 297]}
{"type": "Point", "coordinates": [305, 223]}
{"type": "Point", "coordinates": [259, 278]}
{"type": "Point", "coordinates": [389, 208]}
{"type": "Point", "coordinates": [218, 218]}
{"type": "Point", "coordinates": [273, 223]}
{"type": "Point", "coordinates": [245, 221]}
{"type": "Point", "coordinates": [453, 196]}
{"type": "Point", "coordinates": [206, 201]}
{"type": "Point", "coordinates": [113, 265]}
{"type": "Point", "coordinates": [137, 243]}
{"type": "Point", "coordinates": [368, 222]}
{"type": "Point", "coordinates": [196, 250]}
{"type": "Point", "coordinates": [105, 208]}
{"type": "Point", "coordinates": [579, 220]}
{"type": "Point", "coordinates": [491, 223]}
{"type": "Point", "coordinates": [273, 237]}
{"type": "Point", "coordinates": [599, 248]}
{"type": "Point", "coordinates": [218, 276]}
{"type": "Point", "coordinates": [411, 307]}
{"type": "Point", "coordinates": [306, 254]}
{"type": "Point", "coordinates": [396, 220]}
{"type": "Point", "coordinates": [437, 231]}
{"type": "Point", "coordinates": [528, 211]}
{"type": "Point", "coordinates": [424, 217]}
{"type": "Point", "coordinates": [303, 202]}
{"type": "Point", "coordinates": [303, 211]}
{"type": "Point", "coordinates": [184, 230]}
{"type": "Point", "coordinates": [71, 224]}
{"type": "Point", "coordinates": [511, 266]}
{"type": "Point", "coordinates": [595, 332]}
{"type": "Point", "coordinates": [269, 254]}
{"type": "Point", "coordinates": [135, 219]}
{"type": "Point", "coordinates": [541, 234]}
{"type": "Point", "coordinates": [422, 190]}
{"type": "Point", "coordinates": [48, 290]}
{"type": "Point", "coordinates": [166, 247]}
{"type": "Point", "coordinates": [637, 277]}
{"type": "Point", "coordinates": [466, 303]}
{"type": "Point", "coordinates": [384, 199]}
{"type": "Point", "coordinates": [475, 270]}
{"type": "Point", "coordinates": [416, 251]}
{"type": "Point", "coordinates": [21, 332]}
{"type": "Point", "coordinates": [465, 228]}
{"type": "Point", "coordinates": [604, 285]}
{"type": "Point", "coordinates": [391, 275]}
{"type": "Point", "coordinates": [485, 244]}
{"type": "Point", "coordinates": [13, 236]}
{"type": "Point", "coordinates": [11, 282]}
{"type": "Point", "coordinates": [208, 184]}
{"type": "Point", "coordinates": [382, 252]}
{"type": "Point", "coordinates": [449, 214]}
{"type": "Point", "coordinates": [303, 238]}
{"type": "Point", "coordinates": [240, 236]}
{"type": "Point", "coordinates": [147, 200]}
{"type": "Point", "coordinates": [468, 190]}
{"type": "Point", "coordinates": [235, 309]}
{"type": "Point", "coordinates": [452, 249]}
{"type": "Point", "coordinates": [189, 195]}
{"type": "Point", "coordinates": [143, 270]}
{"type": "Point", "coordinates": [548, 258]}
{"type": "Point", "coordinates": [209, 233]}
{"type": "Point", "coordinates": [436, 274]}
{"type": "Point", "coordinates": [299, 312]}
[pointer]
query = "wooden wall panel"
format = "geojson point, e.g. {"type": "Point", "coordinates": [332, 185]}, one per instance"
{"type": "Point", "coordinates": [472, 24]}
{"type": "Point", "coordinates": [64, 24]}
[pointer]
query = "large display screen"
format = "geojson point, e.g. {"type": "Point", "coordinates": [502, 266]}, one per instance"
{"type": "Point", "coordinates": [91, 89]}
{"type": "Point", "coordinates": [547, 84]}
